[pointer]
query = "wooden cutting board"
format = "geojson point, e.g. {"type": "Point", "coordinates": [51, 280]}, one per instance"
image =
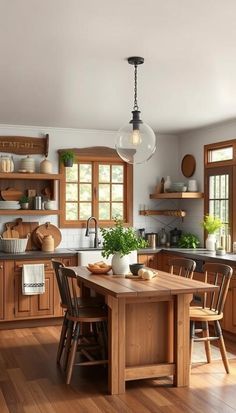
{"type": "Point", "coordinates": [10, 232]}
{"type": "Point", "coordinates": [11, 194]}
{"type": "Point", "coordinates": [23, 229]}
{"type": "Point", "coordinates": [46, 229]}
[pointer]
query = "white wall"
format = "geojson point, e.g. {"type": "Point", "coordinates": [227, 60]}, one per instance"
{"type": "Point", "coordinates": [146, 176]}
{"type": "Point", "coordinates": [193, 143]}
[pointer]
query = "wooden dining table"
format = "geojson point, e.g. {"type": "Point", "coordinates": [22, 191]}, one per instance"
{"type": "Point", "coordinates": [148, 325]}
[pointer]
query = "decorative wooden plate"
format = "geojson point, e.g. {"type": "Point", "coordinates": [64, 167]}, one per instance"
{"type": "Point", "coordinates": [11, 194]}
{"type": "Point", "coordinates": [46, 229]}
{"type": "Point", "coordinates": [188, 165]}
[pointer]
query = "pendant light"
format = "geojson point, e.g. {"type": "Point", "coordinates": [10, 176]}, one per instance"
{"type": "Point", "coordinates": [136, 141]}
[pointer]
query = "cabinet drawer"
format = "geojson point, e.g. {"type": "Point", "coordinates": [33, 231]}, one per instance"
{"type": "Point", "coordinates": [19, 264]}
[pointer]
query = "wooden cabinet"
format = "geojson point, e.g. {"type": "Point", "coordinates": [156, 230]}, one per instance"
{"type": "Point", "coordinates": [149, 260]}
{"type": "Point", "coordinates": [44, 184]}
{"type": "Point", "coordinates": [1, 290]}
{"type": "Point", "coordinates": [163, 261]}
{"type": "Point", "coordinates": [18, 306]}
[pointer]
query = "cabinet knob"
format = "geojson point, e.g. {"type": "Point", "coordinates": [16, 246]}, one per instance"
{"type": "Point", "coordinates": [1, 267]}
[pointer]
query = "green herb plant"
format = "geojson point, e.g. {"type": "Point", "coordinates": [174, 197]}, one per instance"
{"type": "Point", "coordinates": [188, 241]}
{"type": "Point", "coordinates": [211, 224]}
{"type": "Point", "coordinates": [24, 199]}
{"type": "Point", "coordinates": [67, 156]}
{"type": "Point", "coordinates": [120, 239]}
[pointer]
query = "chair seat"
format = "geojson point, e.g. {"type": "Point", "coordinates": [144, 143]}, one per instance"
{"type": "Point", "coordinates": [89, 315]}
{"type": "Point", "coordinates": [204, 314]}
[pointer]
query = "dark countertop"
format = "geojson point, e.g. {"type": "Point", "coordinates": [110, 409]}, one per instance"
{"type": "Point", "coordinates": [197, 254]}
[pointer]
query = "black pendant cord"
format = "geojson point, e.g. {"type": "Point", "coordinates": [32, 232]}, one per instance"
{"type": "Point", "coordinates": [135, 89]}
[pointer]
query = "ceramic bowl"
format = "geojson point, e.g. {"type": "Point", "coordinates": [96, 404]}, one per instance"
{"type": "Point", "coordinates": [135, 267]}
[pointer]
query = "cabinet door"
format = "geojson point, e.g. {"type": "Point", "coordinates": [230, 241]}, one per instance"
{"type": "Point", "coordinates": [149, 260]}
{"type": "Point", "coordinates": [164, 264]}
{"type": "Point", "coordinates": [229, 320]}
{"type": "Point", "coordinates": [1, 290]}
{"type": "Point", "coordinates": [34, 305]}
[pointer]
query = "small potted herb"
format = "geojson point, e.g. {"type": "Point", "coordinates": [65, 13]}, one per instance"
{"type": "Point", "coordinates": [67, 157]}
{"type": "Point", "coordinates": [24, 202]}
{"type": "Point", "coordinates": [188, 241]}
{"type": "Point", "coordinates": [119, 242]}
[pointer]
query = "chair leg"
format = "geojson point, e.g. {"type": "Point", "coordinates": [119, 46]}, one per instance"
{"type": "Point", "coordinates": [205, 334]}
{"type": "Point", "coordinates": [69, 335]}
{"type": "Point", "coordinates": [72, 353]}
{"type": "Point", "coordinates": [192, 332]}
{"type": "Point", "coordinates": [222, 347]}
{"type": "Point", "coordinates": [61, 344]}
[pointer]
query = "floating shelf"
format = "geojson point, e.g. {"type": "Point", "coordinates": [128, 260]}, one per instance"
{"type": "Point", "coordinates": [30, 176]}
{"type": "Point", "coordinates": [177, 195]}
{"type": "Point", "coordinates": [29, 212]}
{"type": "Point", "coordinates": [167, 212]}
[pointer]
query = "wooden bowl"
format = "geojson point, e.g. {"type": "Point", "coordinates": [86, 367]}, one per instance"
{"type": "Point", "coordinates": [100, 270]}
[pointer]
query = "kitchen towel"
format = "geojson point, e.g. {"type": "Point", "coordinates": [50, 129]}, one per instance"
{"type": "Point", "coordinates": [33, 279]}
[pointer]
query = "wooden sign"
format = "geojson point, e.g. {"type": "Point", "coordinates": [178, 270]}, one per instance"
{"type": "Point", "coordinates": [24, 145]}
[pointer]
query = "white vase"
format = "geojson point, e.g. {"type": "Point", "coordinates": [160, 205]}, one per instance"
{"type": "Point", "coordinates": [167, 184]}
{"type": "Point", "coordinates": [211, 242]}
{"type": "Point", "coordinates": [120, 265]}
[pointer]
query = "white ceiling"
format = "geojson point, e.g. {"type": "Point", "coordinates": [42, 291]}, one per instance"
{"type": "Point", "coordinates": [62, 62]}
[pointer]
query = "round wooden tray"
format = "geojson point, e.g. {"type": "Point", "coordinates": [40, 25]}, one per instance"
{"type": "Point", "coordinates": [188, 165]}
{"type": "Point", "coordinates": [46, 229]}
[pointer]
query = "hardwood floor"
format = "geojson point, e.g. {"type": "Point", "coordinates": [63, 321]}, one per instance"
{"type": "Point", "coordinates": [30, 382]}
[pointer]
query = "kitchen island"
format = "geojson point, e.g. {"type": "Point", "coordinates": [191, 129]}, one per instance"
{"type": "Point", "coordinates": [148, 325]}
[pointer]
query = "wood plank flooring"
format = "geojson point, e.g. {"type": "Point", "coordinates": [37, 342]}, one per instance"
{"type": "Point", "coordinates": [30, 382]}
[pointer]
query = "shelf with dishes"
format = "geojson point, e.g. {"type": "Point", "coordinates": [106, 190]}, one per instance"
{"type": "Point", "coordinates": [177, 195]}
{"type": "Point", "coordinates": [15, 185]}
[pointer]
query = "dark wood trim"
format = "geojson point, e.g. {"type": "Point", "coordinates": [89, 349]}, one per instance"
{"type": "Point", "coordinates": [220, 145]}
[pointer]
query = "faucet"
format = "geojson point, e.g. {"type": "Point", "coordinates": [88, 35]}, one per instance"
{"type": "Point", "coordinates": [95, 232]}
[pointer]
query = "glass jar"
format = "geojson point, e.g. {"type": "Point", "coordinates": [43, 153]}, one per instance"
{"type": "Point", "coordinates": [6, 164]}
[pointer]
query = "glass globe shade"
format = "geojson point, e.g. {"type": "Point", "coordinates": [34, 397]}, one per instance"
{"type": "Point", "coordinates": [135, 145]}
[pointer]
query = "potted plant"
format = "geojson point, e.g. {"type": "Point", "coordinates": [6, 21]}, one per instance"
{"type": "Point", "coordinates": [24, 202]}
{"type": "Point", "coordinates": [211, 224]}
{"type": "Point", "coordinates": [188, 241]}
{"type": "Point", "coordinates": [67, 157]}
{"type": "Point", "coordinates": [119, 242]}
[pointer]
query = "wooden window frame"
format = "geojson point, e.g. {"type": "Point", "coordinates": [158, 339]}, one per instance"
{"type": "Point", "coordinates": [216, 168]}
{"type": "Point", "coordinates": [98, 154]}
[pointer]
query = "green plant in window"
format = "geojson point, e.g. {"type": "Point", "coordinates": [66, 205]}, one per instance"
{"type": "Point", "coordinates": [120, 239]}
{"type": "Point", "coordinates": [211, 223]}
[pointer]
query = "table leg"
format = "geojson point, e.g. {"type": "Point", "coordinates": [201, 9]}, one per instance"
{"type": "Point", "coordinates": [181, 348]}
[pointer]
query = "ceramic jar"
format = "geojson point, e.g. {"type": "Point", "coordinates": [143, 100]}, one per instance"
{"type": "Point", "coordinates": [49, 205]}
{"type": "Point", "coordinates": [45, 167]}
{"type": "Point", "coordinates": [167, 184]}
{"type": "Point", "coordinates": [48, 243]}
{"type": "Point", "coordinates": [120, 265]}
{"type": "Point", "coordinates": [6, 164]}
{"type": "Point", "coordinates": [27, 164]}
{"type": "Point", "coordinates": [211, 242]}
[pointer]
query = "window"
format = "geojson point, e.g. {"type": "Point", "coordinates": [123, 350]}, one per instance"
{"type": "Point", "coordinates": [220, 179]}
{"type": "Point", "coordinates": [98, 184]}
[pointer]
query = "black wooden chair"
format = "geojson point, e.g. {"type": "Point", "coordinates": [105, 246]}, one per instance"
{"type": "Point", "coordinates": [211, 310]}
{"type": "Point", "coordinates": [81, 301]}
{"type": "Point", "coordinates": [183, 267]}
{"type": "Point", "coordinates": [92, 350]}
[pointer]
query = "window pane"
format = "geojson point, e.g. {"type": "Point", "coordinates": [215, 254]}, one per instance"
{"type": "Point", "coordinates": [72, 173]}
{"type": "Point", "coordinates": [71, 192]}
{"type": "Point", "coordinates": [85, 172]}
{"type": "Point", "coordinates": [117, 173]}
{"type": "Point", "coordinates": [117, 192]}
{"type": "Point", "coordinates": [104, 173]}
{"type": "Point", "coordinates": [117, 210]}
{"type": "Point", "coordinates": [71, 211]}
{"type": "Point", "coordinates": [104, 211]}
{"type": "Point", "coordinates": [104, 192]}
{"type": "Point", "coordinates": [85, 210]}
{"type": "Point", "coordinates": [222, 154]}
{"type": "Point", "coordinates": [85, 192]}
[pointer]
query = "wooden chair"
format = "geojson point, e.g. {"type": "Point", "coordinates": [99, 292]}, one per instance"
{"type": "Point", "coordinates": [76, 317]}
{"type": "Point", "coordinates": [183, 267]}
{"type": "Point", "coordinates": [212, 310]}
{"type": "Point", "coordinates": [82, 302]}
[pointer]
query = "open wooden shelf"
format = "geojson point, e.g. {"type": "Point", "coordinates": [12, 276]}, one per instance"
{"type": "Point", "coordinates": [30, 176]}
{"type": "Point", "coordinates": [167, 212]}
{"type": "Point", "coordinates": [29, 212]}
{"type": "Point", "coordinates": [178, 195]}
